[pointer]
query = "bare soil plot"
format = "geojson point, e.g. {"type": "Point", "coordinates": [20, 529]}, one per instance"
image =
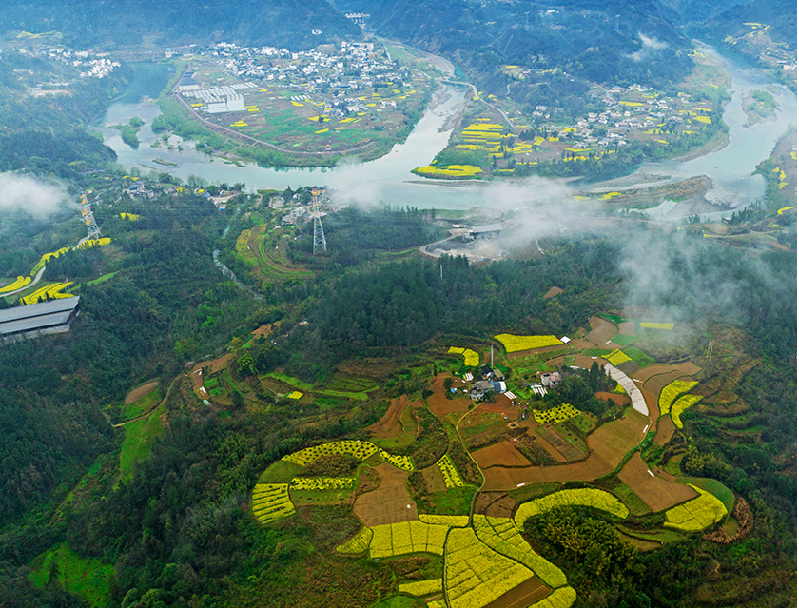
{"type": "Point", "coordinates": [657, 493]}
{"type": "Point", "coordinates": [440, 405]}
{"type": "Point", "coordinates": [665, 430]}
{"type": "Point", "coordinates": [389, 425]}
{"type": "Point", "coordinates": [433, 480]}
{"type": "Point", "coordinates": [500, 454]}
{"type": "Point", "coordinates": [608, 444]}
{"type": "Point", "coordinates": [646, 373]}
{"type": "Point", "coordinates": [213, 366]}
{"type": "Point", "coordinates": [551, 450]}
{"type": "Point", "coordinates": [264, 330]}
{"type": "Point", "coordinates": [571, 452]}
{"type": "Point", "coordinates": [651, 402]}
{"type": "Point", "coordinates": [536, 350]}
{"type": "Point", "coordinates": [390, 502]}
{"type": "Point", "coordinates": [689, 368]}
{"type": "Point", "coordinates": [495, 504]}
{"type": "Point", "coordinates": [627, 328]}
{"type": "Point", "coordinates": [619, 399]}
{"type": "Point", "coordinates": [522, 595]}
{"type": "Point", "coordinates": [628, 368]}
{"type": "Point", "coordinates": [553, 292]}
{"type": "Point", "coordinates": [584, 362]}
{"type": "Point", "coordinates": [602, 331]}
{"type": "Point", "coordinates": [137, 394]}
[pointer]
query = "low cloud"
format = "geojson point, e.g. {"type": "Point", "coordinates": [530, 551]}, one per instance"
{"type": "Point", "coordinates": [650, 44]}
{"type": "Point", "coordinates": [26, 194]}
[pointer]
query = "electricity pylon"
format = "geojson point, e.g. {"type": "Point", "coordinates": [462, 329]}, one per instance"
{"type": "Point", "coordinates": [88, 218]}
{"type": "Point", "coordinates": [319, 242]}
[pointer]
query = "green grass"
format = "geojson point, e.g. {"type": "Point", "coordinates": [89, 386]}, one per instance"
{"type": "Point", "coordinates": [280, 472]}
{"type": "Point", "coordinates": [718, 489]}
{"type": "Point", "coordinates": [143, 405]}
{"type": "Point", "coordinates": [89, 579]}
{"type": "Point", "coordinates": [623, 340]}
{"type": "Point", "coordinates": [307, 387]}
{"type": "Point", "coordinates": [139, 439]}
{"type": "Point", "coordinates": [658, 535]}
{"type": "Point", "coordinates": [320, 496]}
{"type": "Point", "coordinates": [612, 318]}
{"type": "Point", "coordinates": [102, 278]}
{"type": "Point", "coordinates": [639, 357]}
{"type": "Point", "coordinates": [455, 501]}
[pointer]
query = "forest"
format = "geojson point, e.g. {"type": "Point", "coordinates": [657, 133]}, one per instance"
{"type": "Point", "coordinates": [169, 522]}
{"type": "Point", "coordinates": [176, 531]}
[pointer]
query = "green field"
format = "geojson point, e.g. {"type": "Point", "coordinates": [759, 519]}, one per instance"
{"type": "Point", "coordinates": [89, 579]}
{"type": "Point", "coordinates": [139, 439]}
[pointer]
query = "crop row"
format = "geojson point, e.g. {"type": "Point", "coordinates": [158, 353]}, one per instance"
{"type": "Point", "coordinates": [556, 415]}
{"type": "Point", "coordinates": [617, 357]}
{"type": "Point", "coordinates": [357, 544]}
{"type": "Point", "coordinates": [563, 597]}
{"type": "Point", "coordinates": [270, 501]}
{"type": "Point", "coordinates": [470, 357]}
{"type": "Point", "coordinates": [476, 575]}
{"type": "Point", "coordinates": [453, 171]}
{"type": "Point", "coordinates": [517, 343]}
{"type": "Point", "coordinates": [502, 535]}
{"type": "Point", "coordinates": [680, 405]}
{"type": "Point", "coordinates": [697, 514]}
{"type": "Point", "coordinates": [323, 483]}
{"type": "Point", "coordinates": [358, 449]}
{"type": "Point", "coordinates": [449, 472]}
{"type": "Point", "coordinates": [670, 393]}
{"type": "Point", "coordinates": [595, 498]}
{"type": "Point", "coordinates": [448, 520]}
{"type": "Point", "coordinates": [20, 282]}
{"type": "Point", "coordinates": [400, 461]}
{"type": "Point", "coordinates": [48, 291]}
{"type": "Point", "coordinates": [407, 537]}
{"type": "Point", "coordinates": [421, 588]}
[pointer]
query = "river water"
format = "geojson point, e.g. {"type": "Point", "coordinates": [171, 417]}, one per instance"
{"type": "Point", "coordinates": [388, 179]}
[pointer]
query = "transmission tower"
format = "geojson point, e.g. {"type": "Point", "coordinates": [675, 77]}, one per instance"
{"type": "Point", "coordinates": [319, 242]}
{"type": "Point", "coordinates": [88, 218]}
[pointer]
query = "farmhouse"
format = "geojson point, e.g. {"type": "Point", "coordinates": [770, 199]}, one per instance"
{"type": "Point", "coordinates": [38, 319]}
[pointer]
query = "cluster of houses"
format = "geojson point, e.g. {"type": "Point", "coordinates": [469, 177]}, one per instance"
{"type": "Point", "coordinates": [612, 127]}
{"type": "Point", "coordinates": [356, 65]}
{"type": "Point", "coordinates": [96, 65]}
{"type": "Point", "coordinates": [492, 380]}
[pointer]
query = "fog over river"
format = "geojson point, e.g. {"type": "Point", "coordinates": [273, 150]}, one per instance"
{"type": "Point", "coordinates": [388, 179]}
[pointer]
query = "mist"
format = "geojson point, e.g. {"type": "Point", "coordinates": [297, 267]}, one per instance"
{"type": "Point", "coordinates": [26, 194]}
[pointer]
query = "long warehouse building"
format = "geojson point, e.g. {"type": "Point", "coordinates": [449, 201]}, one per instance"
{"type": "Point", "coordinates": [39, 319]}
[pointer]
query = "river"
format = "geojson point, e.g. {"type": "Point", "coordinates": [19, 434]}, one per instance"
{"type": "Point", "coordinates": [388, 179]}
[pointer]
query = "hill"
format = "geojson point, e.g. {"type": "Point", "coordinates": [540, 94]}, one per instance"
{"type": "Point", "coordinates": [168, 23]}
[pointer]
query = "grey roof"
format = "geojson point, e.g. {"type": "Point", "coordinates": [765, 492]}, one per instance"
{"type": "Point", "coordinates": [486, 228]}
{"type": "Point", "coordinates": [39, 316]}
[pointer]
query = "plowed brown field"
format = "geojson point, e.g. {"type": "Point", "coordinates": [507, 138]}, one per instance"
{"type": "Point", "coordinates": [500, 454]}
{"type": "Point", "coordinates": [602, 331]}
{"type": "Point", "coordinates": [608, 445]}
{"type": "Point", "coordinates": [657, 493]}
{"type": "Point", "coordinates": [140, 392]}
{"type": "Point", "coordinates": [389, 503]}
{"type": "Point", "coordinates": [389, 425]}
{"type": "Point", "coordinates": [440, 405]}
{"type": "Point", "coordinates": [665, 430]}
